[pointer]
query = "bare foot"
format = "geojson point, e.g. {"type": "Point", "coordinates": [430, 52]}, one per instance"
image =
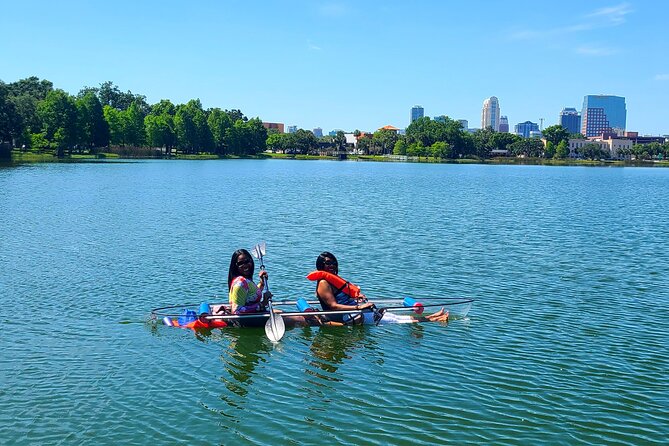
{"type": "Point", "coordinates": [439, 316]}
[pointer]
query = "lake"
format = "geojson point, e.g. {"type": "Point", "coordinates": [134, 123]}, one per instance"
{"type": "Point", "coordinates": [566, 343]}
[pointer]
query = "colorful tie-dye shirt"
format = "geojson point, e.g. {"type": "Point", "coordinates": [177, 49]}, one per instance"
{"type": "Point", "coordinates": [245, 294]}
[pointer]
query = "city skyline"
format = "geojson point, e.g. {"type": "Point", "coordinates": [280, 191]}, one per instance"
{"type": "Point", "coordinates": [307, 63]}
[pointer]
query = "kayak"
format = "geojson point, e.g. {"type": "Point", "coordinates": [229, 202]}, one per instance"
{"type": "Point", "coordinates": [309, 312]}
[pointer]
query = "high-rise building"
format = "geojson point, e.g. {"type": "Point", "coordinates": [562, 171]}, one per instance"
{"type": "Point", "coordinates": [318, 132]}
{"type": "Point", "coordinates": [570, 119]}
{"type": "Point", "coordinates": [503, 124]}
{"type": "Point", "coordinates": [524, 129]}
{"type": "Point", "coordinates": [416, 112]}
{"type": "Point", "coordinates": [292, 128]}
{"type": "Point", "coordinates": [490, 114]}
{"type": "Point", "coordinates": [603, 114]}
{"type": "Point", "coordinates": [273, 126]}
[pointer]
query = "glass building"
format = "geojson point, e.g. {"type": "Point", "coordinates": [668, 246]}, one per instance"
{"type": "Point", "coordinates": [603, 114]}
{"type": "Point", "coordinates": [416, 112]}
{"type": "Point", "coordinates": [570, 119]}
{"type": "Point", "coordinates": [503, 124]}
{"type": "Point", "coordinates": [524, 129]}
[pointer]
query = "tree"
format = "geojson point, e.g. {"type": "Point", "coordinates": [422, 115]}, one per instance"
{"type": "Point", "coordinates": [528, 147]}
{"type": "Point", "coordinates": [10, 121]}
{"type": "Point", "coordinates": [339, 140]}
{"type": "Point", "coordinates": [555, 134]}
{"type": "Point", "coordinates": [31, 86]}
{"type": "Point", "coordinates": [385, 140]}
{"type": "Point", "coordinates": [441, 150]}
{"type": "Point", "coordinates": [562, 150]}
{"type": "Point", "coordinates": [502, 140]}
{"type": "Point", "coordinates": [400, 147]}
{"type": "Point", "coordinates": [593, 151]}
{"type": "Point", "coordinates": [116, 125]}
{"type": "Point", "coordinates": [93, 130]}
{"type": "Point", "coordinates": [109, 94]}
{"type": "Point", "coordinates": [186, 126]}
{"type": "Point", "coordinates": [133, 125]}
{"type": "Point", "coordinates": [219, 122]}
{"type": "Point", "coordinates": [58, 113]}
{"type": "Point", "coordinates": [236, 115]}
{"type": "Point", "coordinates": [160, 131]}
{"type": "Point", "coordinates": [549, 151]}
{"type": "Point", "coordinates": [484, 142]}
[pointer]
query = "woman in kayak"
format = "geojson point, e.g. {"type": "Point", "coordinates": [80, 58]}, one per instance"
{"type": "Point", "coordinates": [341, 298]}
{"type": "Point", "coordinates": [333, 299]}
{"type": "Point", "coordinates": [244, 295]}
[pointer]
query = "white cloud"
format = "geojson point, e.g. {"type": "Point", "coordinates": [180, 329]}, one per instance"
{"type": "Point", "coordinates": [312, 46]}
{"type": "Point", "coordinates": [333, 9]}
{"type": "Point", "coordinates": [614, 15]}
{"type": "Point", "coordinates": [590, 50]}
{"type": "Point", "coordinates": [662, 77]}
{"type": "Point", "coordinates": [603, 17]}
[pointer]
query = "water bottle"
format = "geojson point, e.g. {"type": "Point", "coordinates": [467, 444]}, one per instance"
{"type": "Point", "coordinates": [417, 306]}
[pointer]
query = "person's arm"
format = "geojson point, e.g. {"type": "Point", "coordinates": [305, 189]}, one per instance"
{"type": "Point", "coordinates": [325, 293]}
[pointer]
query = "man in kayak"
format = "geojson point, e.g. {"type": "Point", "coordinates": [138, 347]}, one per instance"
{"type": "Point", "coordinates": [336, 294]}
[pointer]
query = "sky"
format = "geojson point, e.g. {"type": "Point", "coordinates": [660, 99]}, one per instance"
{"type": "Point", "coordinates": [352, 64]}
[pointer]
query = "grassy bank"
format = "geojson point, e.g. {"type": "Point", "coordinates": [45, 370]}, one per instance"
{"type": "Point", "coordinates": [31, 157]}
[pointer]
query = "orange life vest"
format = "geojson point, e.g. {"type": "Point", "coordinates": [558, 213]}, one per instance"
{"type": "Point", "coordinates": [199, 325]}
{"type": "Point", "coordinates": [340, 284]}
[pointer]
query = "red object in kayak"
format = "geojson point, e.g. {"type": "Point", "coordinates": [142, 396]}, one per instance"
{"type": "Point", "coordinates": [340, 284]}
{"type": "Point", "coordinates": [197, 324]}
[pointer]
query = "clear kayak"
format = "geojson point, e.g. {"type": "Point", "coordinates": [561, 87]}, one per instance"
{"type": "Point", "coordinates": [309, 312]}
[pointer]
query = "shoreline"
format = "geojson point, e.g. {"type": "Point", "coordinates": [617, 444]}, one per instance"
{"type": "Point", "coordinates": [30, 158]}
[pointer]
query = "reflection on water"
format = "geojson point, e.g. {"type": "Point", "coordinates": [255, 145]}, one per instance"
{"type": "Point", "coordinates": [245, 350]}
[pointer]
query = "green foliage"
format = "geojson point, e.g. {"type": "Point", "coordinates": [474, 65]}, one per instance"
{"type": "Point", "coordinates": [549, 150]}
{"type": "Point", "coordinates": [441, 150]}
{"type": "Point", "coordinates": [38, 141]}
{"type": "Point", "coordinates": [527, 147]}
{"type": "Point", "coordinates": [555, 134]}
{"type": "Point", "coordinates": [400, 147]}
{"type": "Point", "coordinates": [58, 114]}
{"type": "Point", "coordinates": [384, 141]}
{"type": "Point", "coordinates": [10, 121]}
{"type": "Point", "coordinates": [339, 140]}
{"type": "Point", "coordinates": [160, 130]}
{"type": "Point", "coordinates": [593, 151]}
{"type": "Point", "coordinates": [427, 132]}
{"type": "Point", "coordinates": [219, 122]}
{"type": "Point", "coordinates": [562, 150]}
{"type": "Point", "coordinates": [93, 130]}
{"type": "Point", "coordinates": [115, 122]}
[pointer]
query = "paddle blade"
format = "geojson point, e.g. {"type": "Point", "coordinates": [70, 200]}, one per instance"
{"type": "Point", "coordinates": [259, 250]}
{"type": "Point", "coordinates": [275, 328]}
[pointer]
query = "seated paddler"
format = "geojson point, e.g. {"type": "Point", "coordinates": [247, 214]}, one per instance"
{"type": "Point", "coordinates": [333, 292]}
{"type": "Point", "coordinates": [245, 296]}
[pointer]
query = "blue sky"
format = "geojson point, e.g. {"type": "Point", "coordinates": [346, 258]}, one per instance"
{"type": "Point", "coordinates": [352, 64]}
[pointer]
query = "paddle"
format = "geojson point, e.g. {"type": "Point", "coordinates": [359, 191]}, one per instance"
{"type": "Point", "coordinates": [275, 327]}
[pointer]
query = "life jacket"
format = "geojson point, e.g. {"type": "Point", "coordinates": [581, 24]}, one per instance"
{"type": "Point", "coordinates": [197, 324]}
{"type": "Point", "coordinates": [341, 285]}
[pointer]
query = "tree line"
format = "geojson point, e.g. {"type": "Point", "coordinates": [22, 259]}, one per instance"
{"type": "Point", "coordinates": [35, 116]}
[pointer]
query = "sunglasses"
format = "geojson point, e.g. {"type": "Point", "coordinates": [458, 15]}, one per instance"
{"type": "Point", "coordinates": [330, 262]}
{"type": "Point", "coordinates": [243, 262]}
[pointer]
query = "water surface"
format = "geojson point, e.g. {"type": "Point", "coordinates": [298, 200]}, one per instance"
{"type": "Point", "coordinates": [567, 342]}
